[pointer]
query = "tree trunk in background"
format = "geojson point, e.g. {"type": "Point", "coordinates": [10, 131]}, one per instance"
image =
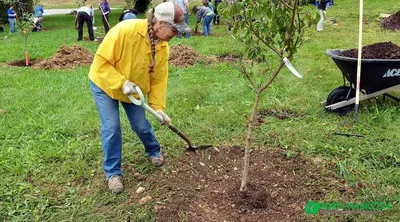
{"type": "Point", "coordinates": [142, 5]}
{"type": "Point", "coordinates": [19, 6]}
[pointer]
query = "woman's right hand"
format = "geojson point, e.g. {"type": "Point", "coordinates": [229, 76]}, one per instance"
{"type": "Point", "coordinates": [129, 88]}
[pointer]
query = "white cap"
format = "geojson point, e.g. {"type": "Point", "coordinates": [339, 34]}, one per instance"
{"type": "Point", "coordinates": [173, 14]}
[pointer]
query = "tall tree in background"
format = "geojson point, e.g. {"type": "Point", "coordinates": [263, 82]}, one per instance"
{"type": "Point", "coordinates": [19, 5]}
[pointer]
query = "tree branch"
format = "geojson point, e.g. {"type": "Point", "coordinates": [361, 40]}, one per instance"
{"type": "Point", "coordinates": [255, 32]}
{"type": "Point", "coordinates": [244, 72]}
{"type": "Point", "coordinates": [288, 6]}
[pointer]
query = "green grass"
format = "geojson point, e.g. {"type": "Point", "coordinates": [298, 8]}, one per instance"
{"type": "Point", "coordinates": [50, 149]}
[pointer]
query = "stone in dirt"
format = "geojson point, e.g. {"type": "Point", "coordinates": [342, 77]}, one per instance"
{"type": "Point", "coordinates": [182, 56]}
{"type": "Point", "coordinates": [67, 58]}
{"type": "Point", "coordinates": [381, 50]}
{"type": "Point", "coordinates": [392, 22]}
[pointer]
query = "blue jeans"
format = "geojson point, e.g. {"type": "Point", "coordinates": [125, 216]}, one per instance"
{"type": "Point", "coordinates": [111, 141]}
{"type": "Point", "coordinates": [207, 24]}
{"type": "Point", "coordinates": [187, 22]}
{"type": "Point", "coordinates": [13, 23]}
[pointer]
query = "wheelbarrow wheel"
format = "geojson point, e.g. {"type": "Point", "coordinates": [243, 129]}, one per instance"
{"type": "Point", "coordinates": [338, 95]}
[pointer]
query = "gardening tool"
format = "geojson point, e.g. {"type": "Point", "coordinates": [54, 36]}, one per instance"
{"type": "Point", "coordinates": [102, 14]}
{"type": "Point", "coordinates": [141, 102]}
{"type": "Point", "coordinates": [358, 80]}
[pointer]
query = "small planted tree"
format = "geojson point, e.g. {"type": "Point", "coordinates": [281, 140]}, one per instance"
{"type": "Point", "coordinates": [271, 31]}
{"type": "Point", "coordinates": [25, 29]}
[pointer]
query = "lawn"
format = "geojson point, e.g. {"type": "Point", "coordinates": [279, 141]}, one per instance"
{"type": "Point", "coordinates": [50, 149]}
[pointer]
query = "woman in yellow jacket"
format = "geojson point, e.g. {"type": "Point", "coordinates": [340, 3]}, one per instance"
{"type": "Point", "coordinates": [134, 53]}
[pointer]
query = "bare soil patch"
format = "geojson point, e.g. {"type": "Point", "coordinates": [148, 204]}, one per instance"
{"type": "Point", "coordinates": [67, 58]}
{"type": "Point", "coordinates": [23, 62]}
{"type": "Point", "coordinates": [381, 50]}
{"type": "Point", "coordinates": [182, 56]}
{"type": "Point", "coordinates": [392, 22]}
{"type": "Point", "coordinates": [204, 186]}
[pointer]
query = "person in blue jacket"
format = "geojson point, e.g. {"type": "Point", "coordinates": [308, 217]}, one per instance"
{"type": "Point", "coordinates": [39, 11]}
{"type": "Point", "coordinates": [12, 19]}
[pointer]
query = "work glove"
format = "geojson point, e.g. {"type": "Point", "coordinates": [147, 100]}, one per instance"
{"type": "Point", "coordinates": [166, 120]}
{"type": "Point", "coordinates": [129, 88]}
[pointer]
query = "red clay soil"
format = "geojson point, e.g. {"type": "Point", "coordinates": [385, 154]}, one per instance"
{"type": "Point", "coordinates": [67, 58]}
{"type": "Point", "coordinates": [182, 56]}
{"type": "Point", "coordinates": [382, 50]}
{"type": "Point", "coordinates": [392, 22]}
{"type": "Point", "coordinates": [204, 187]}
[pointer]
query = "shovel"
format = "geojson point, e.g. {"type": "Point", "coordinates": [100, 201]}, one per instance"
{"type": "Point", "coordinates": [141, 102]}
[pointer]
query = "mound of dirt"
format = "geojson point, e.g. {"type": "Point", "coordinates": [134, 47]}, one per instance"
{"type": "Point", "coordinates": [67, 58]}
{"type": "Point", "coordinates": [392, 22]}
{"type": "Point", "coordinates": [382, 50]}
{"type": "Point", "coordinates": [204, 186]}
{"type": "Point", "coordinates": [182, 56]}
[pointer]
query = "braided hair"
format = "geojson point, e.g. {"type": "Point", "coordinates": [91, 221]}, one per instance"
{"type": "Point", "coordinates": [151, 20]}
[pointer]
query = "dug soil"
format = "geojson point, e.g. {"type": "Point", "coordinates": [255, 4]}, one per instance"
{"type": "Point", "coordinates": [382, 50]}
{"type": "Point", "coordinates": [392, 22]}
{"type": "Point", "coordinates": [204, 186]}
{"type": "Point", "coordinates": [66, 58]}
{"type": "Point", "coordinates": [182, 56]}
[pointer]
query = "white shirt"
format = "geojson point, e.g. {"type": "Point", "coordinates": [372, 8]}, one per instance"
{"type": "Point", "coordinates": [86, 9]}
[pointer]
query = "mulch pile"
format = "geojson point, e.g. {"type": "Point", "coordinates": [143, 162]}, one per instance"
{"type": "Point", "coordinates": [67, 58]}
{"type": "Point", "coordinates": [182, 56]}
{"type": "Point", "coordinates": [382, 50]}
{"type": "Point", "coordinates": [392, 22]}
{"type": "Point", "coordinates": [204, 186]}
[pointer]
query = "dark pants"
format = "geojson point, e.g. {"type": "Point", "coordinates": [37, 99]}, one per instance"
{"type": "Point", "coordinates": [84, 17]}
{"type": "Point", "coordinates": [105, 20]}
{"type": "Point", "coordinates": [216, 17]}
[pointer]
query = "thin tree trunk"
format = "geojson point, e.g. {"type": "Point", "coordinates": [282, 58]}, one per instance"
{"type": "Point", "coordinates": [246, 163]}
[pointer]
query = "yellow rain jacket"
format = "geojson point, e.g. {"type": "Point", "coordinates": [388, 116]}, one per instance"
{"type": "Point", "coordinates": [125, 54]}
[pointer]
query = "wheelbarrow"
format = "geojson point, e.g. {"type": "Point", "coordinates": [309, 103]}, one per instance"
{"type": "Point", "coordinates": [378, 77]}
{"type": "Point", "coordinates": [141, 102]}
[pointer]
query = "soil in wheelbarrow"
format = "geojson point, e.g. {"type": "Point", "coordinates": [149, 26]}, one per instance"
{"type": "Point", "coordinates": [182, 56]}
{"type": "Point", "coordinates": [381, 50]}
{"type": "Point", "coordinates": [204, 186]}
{"type": "Point", "coordinates": [392, 22]}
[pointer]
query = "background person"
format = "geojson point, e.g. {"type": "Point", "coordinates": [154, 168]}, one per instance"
{"type": "Point", "coordinates": [206, 15]}
{"type": "Point", "coordinates": [39, 11]}
{"type": "Point", "coordinates": [84, 14]}
{"type": "Point", "coordinates": [37, 24]}
{"type": "Point", "coordinates": [322, 14]}
{"type": "Point", "coordinates": [12, 19]}
{"type": "Point", "coordinates": [184, 4]}
{"type": "Point", "coordinates": [134, 53]}
{"type": "Point", "coordinates": [216, 16]}
{"type": "Point", "coordinates": [105, 11]}
{"type": "Point", "coordinates": [128, 13]}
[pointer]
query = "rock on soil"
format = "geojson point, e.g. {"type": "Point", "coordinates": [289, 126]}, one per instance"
{"type": "Point", "coordinates": [382, 50]}
{"type": "Point", "coordinates": [67, 58]}
{"type": "Point", "coordinates": [392, 22]}
{"type": "Point", "coordinates": [182, 56]}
